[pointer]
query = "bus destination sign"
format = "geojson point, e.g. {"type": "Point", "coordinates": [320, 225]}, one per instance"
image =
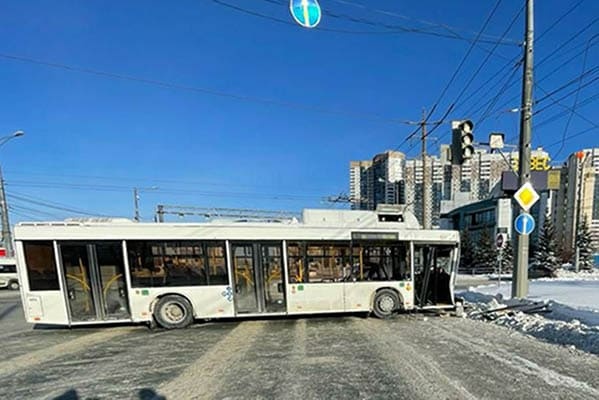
{"type": "Point", "coordinates": [374, 236]}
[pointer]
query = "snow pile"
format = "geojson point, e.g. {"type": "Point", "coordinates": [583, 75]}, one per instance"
{"type": "Point", "coordinates": [563, 274]}
{"type": "Point", "coordinates": [570, 332]}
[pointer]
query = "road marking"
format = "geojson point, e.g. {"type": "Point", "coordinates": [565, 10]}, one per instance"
{"type": "Point", "coordinates": [202, 379]}
{"type": "Point", "coordinates": [427, 379]}
{"type": "Point", "coordinates": [59, 350]}
{"type": "Point", "coordinates": [524, 365]}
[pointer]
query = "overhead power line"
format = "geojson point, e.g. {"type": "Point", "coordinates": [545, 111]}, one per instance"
{"type": "Point", "coordinates": [197, 89]}
{"type": "Point", "coordinates": [572, 110]}
{"type": "Point", "coordinates": [452, 79]}
{"type": "Point", "coordinates": [516, 61]}
{"type": "Point", "coordinates": [577, 93]}
{"type": "Point", "coordinates": [173, 191]}
{"type": "Point", "coordinates": [388, 29]}
{"type": "Point", "coordinates": [40, 202]}
{"type": "Point", "coordinates": [452, 30]}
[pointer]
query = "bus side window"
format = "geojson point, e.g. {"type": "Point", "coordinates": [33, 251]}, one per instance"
{"type": "Point", "coordinates": [41, 267]}
{"type": "Point", "coordinates": [295, 262]}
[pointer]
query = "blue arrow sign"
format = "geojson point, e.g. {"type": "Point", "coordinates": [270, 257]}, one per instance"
{"type": "Point", "coordinates": [305, 12]}
{"type": "Point", "coordinates": [524, 224]}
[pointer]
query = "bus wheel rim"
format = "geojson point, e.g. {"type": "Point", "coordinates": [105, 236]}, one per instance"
{"type": "Point", "coordinates": [386, 304]}
{"type": "Point", "coordinates": [173, 312]}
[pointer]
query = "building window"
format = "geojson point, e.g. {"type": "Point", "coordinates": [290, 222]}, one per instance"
{"type": "Point", "coordinates": [465, 186]}
{"type": "Point", "coordinates": [596, 198]}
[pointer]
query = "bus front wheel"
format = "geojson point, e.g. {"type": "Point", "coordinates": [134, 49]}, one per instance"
{"type": "Point", "coordinates": [386, 302]}
{"type": "Point", "coordinates": [173, 312]}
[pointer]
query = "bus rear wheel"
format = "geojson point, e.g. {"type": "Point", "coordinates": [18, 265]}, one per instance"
{"type": "Point", "coordinates": [173, 312]}
{"type": "Point", "coordinates": [386, 302]}
{"type": "Point", "coordinates": [14, 285]}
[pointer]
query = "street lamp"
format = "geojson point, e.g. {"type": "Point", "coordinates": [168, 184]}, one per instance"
{"type": "Point", "coordinates": [136, 192]}
{"type": "Point", "coordinates": [6, 233]}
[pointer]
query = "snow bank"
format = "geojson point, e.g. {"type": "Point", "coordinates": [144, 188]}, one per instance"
{"type": "Point", "coordinates": [564, 330]}
{"type": "Point", "coordinates": [564, 275]}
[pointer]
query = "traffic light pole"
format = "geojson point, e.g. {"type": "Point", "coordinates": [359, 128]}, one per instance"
{"type": "Point", "coordinates": [520, 273]}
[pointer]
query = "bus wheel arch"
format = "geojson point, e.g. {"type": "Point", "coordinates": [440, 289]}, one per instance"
{"type": "Point", "coordinates": [386, 301]}
{"type": "Point", "coordinates": [172, 311]}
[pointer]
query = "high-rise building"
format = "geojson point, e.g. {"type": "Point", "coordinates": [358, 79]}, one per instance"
{"type": "Point", "coordinates": [359, 174]}
{"type": "Point", "coordinates": [578, 197]}
{"type": "Point", "coordinates": [392, 179]}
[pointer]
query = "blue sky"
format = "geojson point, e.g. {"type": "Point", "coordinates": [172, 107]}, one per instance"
{"type": "Point", "coordinates": [91, 138]}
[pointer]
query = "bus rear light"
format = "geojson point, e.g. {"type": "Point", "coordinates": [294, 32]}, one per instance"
{"type": "Point", "coordinates": [37, 319]}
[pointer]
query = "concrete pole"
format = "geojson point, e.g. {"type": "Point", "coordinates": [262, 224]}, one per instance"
{"type": "Point", "coordinates": [425, 219]}
{"type": "Point", "coordinates": [6, 233]}
{"type": "Point", "coordinates": [520, 274]}
{"type": "Point", "coordinates": [136, 204]}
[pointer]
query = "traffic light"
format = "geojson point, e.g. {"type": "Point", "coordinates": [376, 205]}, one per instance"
{"type": "Point", "coordinates": [462, 146]}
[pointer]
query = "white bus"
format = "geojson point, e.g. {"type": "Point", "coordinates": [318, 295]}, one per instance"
{"type": "Point", "coordinates": [107, 271]}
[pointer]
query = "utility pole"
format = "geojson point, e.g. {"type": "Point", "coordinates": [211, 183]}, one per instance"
{"type": "Point", "coordinates": [520, 273]}
{"type": "Point", "coordinates": [160, 213]}
{"type": "Point", "coordinates": [136, 204]}
{"type": "Point", "coordinates": [6, 234]}
{"type": "Point", "coordinates": [425, 219]}
{"type": "Point", "coordinates": [136, 191]}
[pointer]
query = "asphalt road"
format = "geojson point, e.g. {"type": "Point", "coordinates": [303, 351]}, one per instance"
{"type": "Point", "coordinates": [408, 357]}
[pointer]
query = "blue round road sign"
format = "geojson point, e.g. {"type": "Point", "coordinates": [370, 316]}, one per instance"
{"type": "Point", "coordinates": [305, 12]}
{"type": "Point", "coordinates": [524, 224]}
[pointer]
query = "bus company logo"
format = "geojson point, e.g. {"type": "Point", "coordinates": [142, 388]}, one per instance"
{"type": "Point", "coordinates": [228, 294]}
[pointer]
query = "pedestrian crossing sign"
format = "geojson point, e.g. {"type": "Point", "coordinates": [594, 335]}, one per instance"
{"type": "Point", "coordinates": [526, 196]}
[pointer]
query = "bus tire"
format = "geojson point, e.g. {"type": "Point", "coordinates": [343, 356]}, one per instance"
{"type": "Point", "coordinates": [386, 303]}
{"type": "Point", "coordinates": [173, 312]}
{"type": "Point", "coordinates": [13, 285]}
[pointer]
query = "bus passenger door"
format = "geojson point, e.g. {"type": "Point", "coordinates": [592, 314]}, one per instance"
{"type": "Point", "coordinates": [95, 281]}
{"type": "Point", "coordinates": [258, 278]}
{"type": "Point", "coordinates": [433, 274]}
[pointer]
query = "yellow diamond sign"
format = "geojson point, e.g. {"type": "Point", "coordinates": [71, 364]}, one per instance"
{"type": "Point", "coordinates": [526, 196]}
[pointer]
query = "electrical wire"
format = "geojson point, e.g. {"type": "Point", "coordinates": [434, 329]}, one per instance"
{"type": "Point", "coordinates": [44, 214]}
{"type": "Point", "coordinates": [451, 30]}
{"type": "Point", "coordinates": [177, 191]}
{"type": "Point", "coordinates": [573, 111]}
{"type": "Point", "coordinates": [388, 28]}
{"type": "Point", "coordinates": [197, 89]}
{"type": "Point", "coordinates": [575, 102]}
{"type": "Point", "coordinates": [41, 202]}
{"type": "Point", "coordinates": [500, 93]}
{"type": "Point", "coordinates": [454, 75]}
{"type": "Point", "coordinates": [551, 55]}
{"type": "Point", "coordinates": [570, 93]}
